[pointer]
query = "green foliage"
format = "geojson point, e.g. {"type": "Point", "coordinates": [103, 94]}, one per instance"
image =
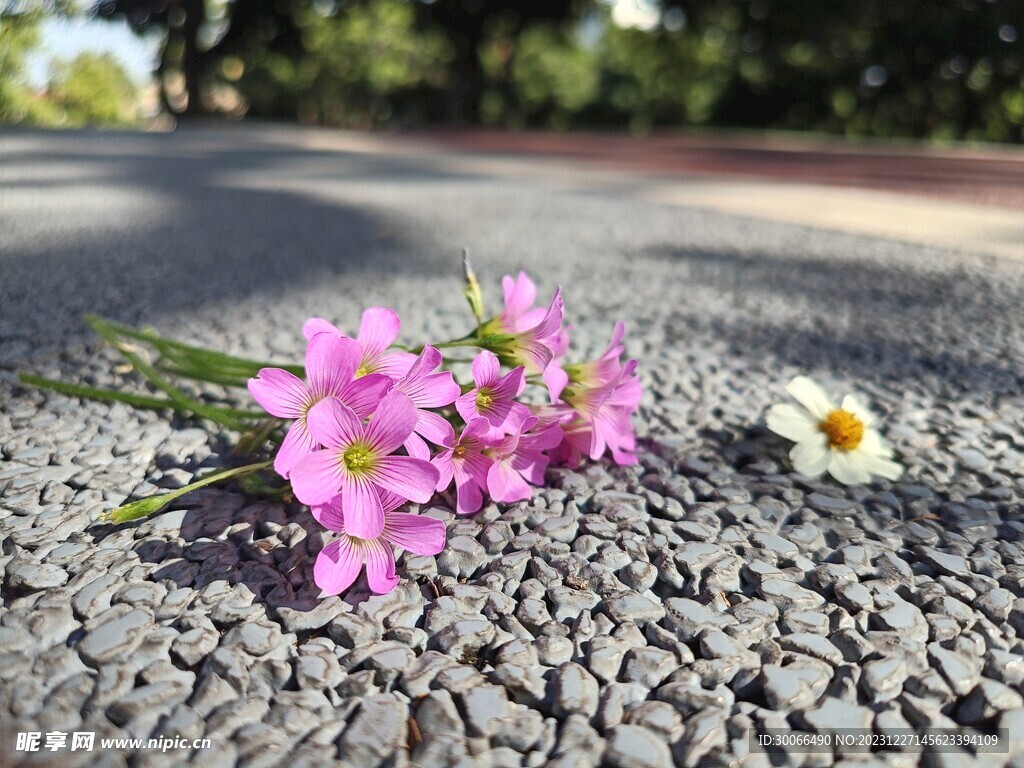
{"type": "Point", "coordinates": [19, 36]}
{"type": "Point", "coordinates": [359, 62]}
{"type": "Point", "coordinates": [93, 89]}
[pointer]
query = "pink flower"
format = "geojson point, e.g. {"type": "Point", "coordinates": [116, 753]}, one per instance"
{"type": "Point", "coordinates": [428, 390]}
{"type": "Point", "coordinates": [377, 331]}
{"type": "Point", "coordinates": [535, 347]}
{"type": "Point", "coordinates": [338, 564]}
{"type": "Point", "coordinates": [494, 397]}
{"type": "Point", "coordinates": [356, 462]}
{"type": "Point", "coordinates": [604, 369]}
{"type": "Point", "coordinates": [331, 363]}
{"type": "Point", "coordinates": [463, 458]}
{"type": "Point", "coordinates": [518, 459]}
{"type": "Point", "coordinates": [606, 410]}
{"type": "Point", "coordinates": [520, 314]}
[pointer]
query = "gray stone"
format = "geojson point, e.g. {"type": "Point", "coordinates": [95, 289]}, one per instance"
{"type": "Point", "coordinates": [376, 732]}
{"type": "Point", "coordinates": [630, 746]}
{"type": "Point", "coordinates": [113, 638]}
{"type": "Point", "coordinates": [573, 690]}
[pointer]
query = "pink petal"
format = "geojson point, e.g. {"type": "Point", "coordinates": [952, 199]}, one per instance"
{"type": "Point", "coordinates": [364, 515]}
{"type": "Point", "coordinates": [378, 330]}
{"type": "Point", "coordinates": [410, 478]}
{"type": "Point", "coordinates": [415, 533]}
{"type": "Point", "coordinates": [505, 484]}
{"type": "Point", "coordinates": [333, 424]}
{"type": "Point", "coordinates": [416, 448]}
{"type": "Point", "coordinates": [389, 501]}
{"type": "Point", "coordinates": [486, 369]}
{"type": "Point", "coordinates": [531, 319]}
{"type": "Point", "coordinates": [392, 422]}
{"type": "Point", "coordinates": [363, 394]}
{"type": "Point", "coordinates": [443, 464]}
{"type": "Point", "coordinates": [434, 428]}
{"type": "Point", "coordinates": [337, 567]}
{"type": "Point", "coordinates": [394, 364]}
{"type": "Point", "coordinates": [556, 380]}
{"type": "Point", "coordinates": [468, 498]}
{"type": "Point", "coordinates": [380, 566]}
{"type": "Point", "coordinates": [466, 406]}
{"type": "Point", "coordinates": [331, 363]}
{"type": "Point", "coordinates": [511, 385]}
{"type": "Point", "coordinates": [552, 321]}
{"type": "Point", "coordinates": [280, 393]}
{"type": "Point", "coordinates": [317, 478]}
{"type": "Point", "coordinates": [298, 444]}
{"type": "Point", "coordinates": [330, 515]}
{"type": "Point", "coordinates": [519, 294]}
{"type": "Point", "coordinates": [316, 325]}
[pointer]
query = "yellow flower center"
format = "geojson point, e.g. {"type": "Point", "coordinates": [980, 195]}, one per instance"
{"type": "Point", "coordinates": [843, 430]}
{"type": "Point", "coordinates": [357, 459]}
{"type": "Point", "coordinates": [459, 452]}
{"type": "Point", "coordinates": [361, 371]}
{"type": "Point", "coordinates": [483, 400]}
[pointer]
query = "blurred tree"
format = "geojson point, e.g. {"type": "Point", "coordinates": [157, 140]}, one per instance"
{"type": "Point", "coordinates": [20, 22]}
{"type": "Point", "coordinates": [198, 34]}
{"type": "Point", "coordinates": [360, 68]}
{"type": "Point", "coordinates": [467, 24]}
{"type": "Point", "coordinates": [93, 89]}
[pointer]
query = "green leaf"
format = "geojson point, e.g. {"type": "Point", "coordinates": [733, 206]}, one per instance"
{"type": "Point", "coordinates": [144, 507]}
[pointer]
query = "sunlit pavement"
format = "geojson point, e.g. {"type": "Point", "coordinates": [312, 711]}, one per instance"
{"type": "Point", "coordinates": [968, 199]}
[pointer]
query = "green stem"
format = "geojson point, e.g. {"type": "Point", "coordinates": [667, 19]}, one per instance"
{"type": "Point", "coordinates": [144, 507]}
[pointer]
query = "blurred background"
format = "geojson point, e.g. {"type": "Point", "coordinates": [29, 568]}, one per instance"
{"type": "Point", "coordinates": [943, 70]}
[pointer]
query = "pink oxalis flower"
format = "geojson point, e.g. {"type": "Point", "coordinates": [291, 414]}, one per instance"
{"type": "Point", "coordinates": [519, 459]}
{"type": "Point", "coordinates": [357, 462]}
{"type": "Point", "coordinates": [463, 459]}
{"type": "Point", "coordinates": [377, 332]}
{"type": "Point", "coordinates": [338, 564]}
{"type": "Point", "coordinates": [428, 390]}
{"type": "Point", "coordinates": [331, 363]}
{"type": "Point", "coordinates": [494, 397]}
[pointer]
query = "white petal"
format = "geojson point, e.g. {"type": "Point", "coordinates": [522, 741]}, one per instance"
{"type": "Point", "coordinates": [810, 396]}
{"type": "Point", "coordinates": [846, 468]}
{"type": "Point", "coordinates": [854, 406]}
{"type": "Point", "coordinates": [810, 457]}
{"type": "Point", "coordinates": [792, 423]}
{"type": "Point", "coordinates": [872, 444]}
{"type": "Point", "coordinates": [882, 466]}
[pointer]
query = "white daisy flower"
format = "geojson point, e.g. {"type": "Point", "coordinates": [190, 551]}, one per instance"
{"type": "Point", "coordinates": [840, 440]}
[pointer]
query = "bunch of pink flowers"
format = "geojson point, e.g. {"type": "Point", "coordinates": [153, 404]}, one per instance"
{"type": "Point", "coordinates": [375, 426]}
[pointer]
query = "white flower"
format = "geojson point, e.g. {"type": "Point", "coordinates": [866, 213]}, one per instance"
{"type": "Point", "coordinates": [840, 440]}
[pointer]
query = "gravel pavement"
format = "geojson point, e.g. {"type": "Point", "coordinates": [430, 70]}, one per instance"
{"type": "Point", "coordinates": [643, 616]}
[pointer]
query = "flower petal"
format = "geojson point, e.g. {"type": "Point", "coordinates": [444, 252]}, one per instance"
{"type": "Point", "coordinates": [505, 484]}
{"type": "Point", "coordinates": [415, 533]}
{"type": "Point", "coordinates": [298, 444]}
{"type": "Point", "coordinates": [332, 424]}
{"type": "Point", "coordinates": [380, 566]}
{"type": "Point", "coordinates": [416, 447]}
{"type": "Point", "coordinates": [337, 567]}
{"type": "Point", "coordinates": [520, 294]}
{"type": "Point", "coordinates": [330, 515]}
{"type": "Point", "coordinates": [791, 423]}
{"type": "Point", "coordinates": [331, 363]}
{"type": "Point", "coordinates": [845, 468]}
{"type": "Point", "coordinates": [394, 365]}
{"type": "Point", "coordinates": [363, 394]}
{"type": "Point", "coordinates": [435, 428]}
{"type": "Point", "coordinates": [854, 406]}
{"type": "Point", "coordinates": [378, 330]}
{"type": "Point", "coordinates": [316, 325]}
{"type": "Point", "coordinates": [317, 478]}
{"type": "Point", "coordinates": [280, 393]}
{"type": "Point", "coordinates": [409, 477]}
{"type": "Point", "coordinates": [811, 457]}
{"type": "Point", "coordinates": [364, 515]}
{"type": "Point", "coordinates": [881, 466]}
{"type": "Point", "coordinates": [810, 396]}
{"type": "Point", "coordinates": [392, 422]}
{"type": "Point", "coordinates": [556, 380]}
{"type": "Point", "coordinates": [486, 369]}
